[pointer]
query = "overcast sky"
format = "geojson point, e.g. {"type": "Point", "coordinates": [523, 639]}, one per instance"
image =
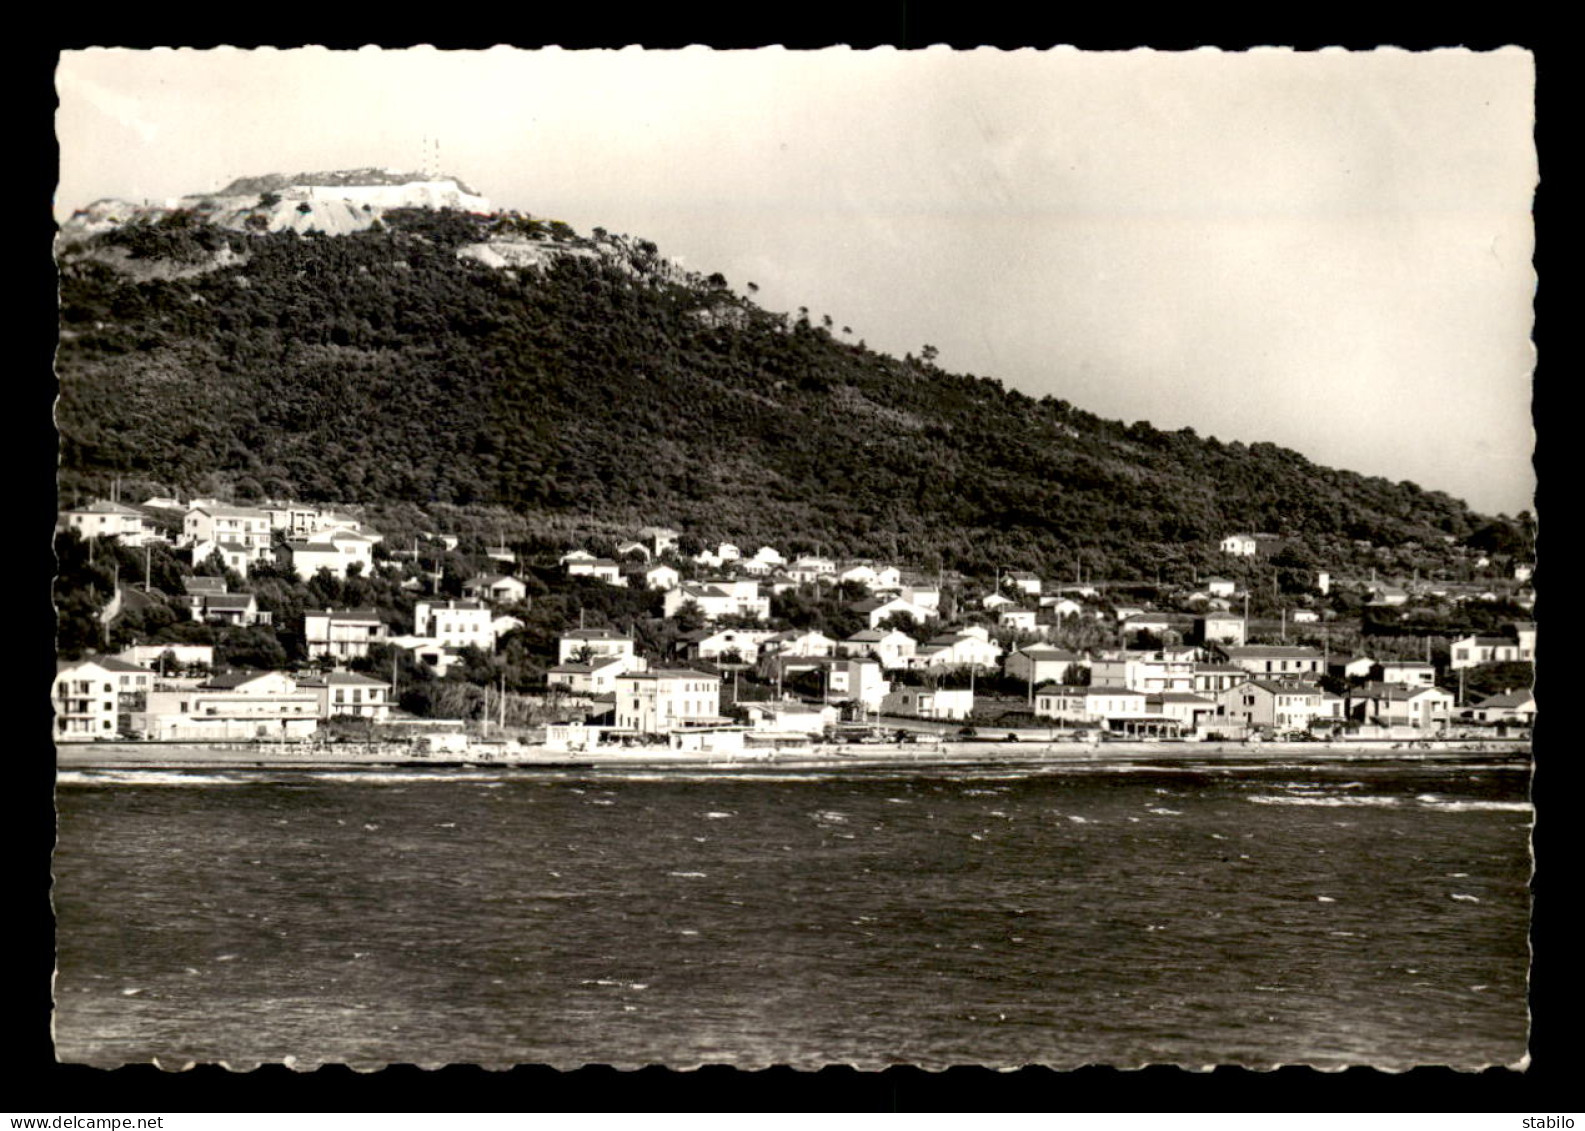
{"type": "Point", "coordinates": [1328, 251]}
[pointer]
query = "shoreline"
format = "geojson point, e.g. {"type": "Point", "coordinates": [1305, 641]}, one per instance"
{"type": "Point", "coordinates": [957, 755]}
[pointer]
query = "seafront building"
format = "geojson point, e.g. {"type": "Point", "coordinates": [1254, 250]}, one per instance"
{"type": "Point", "coordinates": [665, 701]}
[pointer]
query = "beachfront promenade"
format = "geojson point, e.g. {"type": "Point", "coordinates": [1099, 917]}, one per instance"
{"type": "Point", "coordinates": [923, 756]}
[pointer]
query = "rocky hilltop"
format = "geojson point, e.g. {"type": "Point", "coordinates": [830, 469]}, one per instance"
{"type": "Point", "coordinates": [332, 203]}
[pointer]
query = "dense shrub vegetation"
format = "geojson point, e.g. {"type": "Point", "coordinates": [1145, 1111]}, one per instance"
{"type": "Point", "coordinates": [380, 367]}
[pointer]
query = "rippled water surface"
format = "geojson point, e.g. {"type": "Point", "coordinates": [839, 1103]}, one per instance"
{"type": "Point", "coordinates": [1359, 915]}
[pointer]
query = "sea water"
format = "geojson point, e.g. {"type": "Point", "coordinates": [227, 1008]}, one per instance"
{"type": "Point", "coordinates": [1192, 916]}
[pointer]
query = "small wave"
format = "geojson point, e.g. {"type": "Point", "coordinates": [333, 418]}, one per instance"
{"type": "Point", "coordinates": [1481, 806]}
{"type": "Point", "coordinates": [689, 875]}
{"type": "Point", "coordinates": [1163, 812]}
{"type": "Point", "coordinates": [1357, 800]}
{"type": "Point", "coordinates": [1076, 819]}
{"type": "Point", "coordinates": [717, 816]}
{"type": "Point", "coordinates": [1464, 897]}
{"type": "Point", "coordinates": [152, 777]}
{"type": "Point", "coordinates": [400, 777]}
{"type": "Point", "coordinates": [831, 816]}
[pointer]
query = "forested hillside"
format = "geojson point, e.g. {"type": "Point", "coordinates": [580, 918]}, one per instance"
{"type": "Point", "coordinates": [608, 386]}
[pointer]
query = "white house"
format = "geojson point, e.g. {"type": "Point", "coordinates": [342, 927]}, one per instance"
{"type": "Point", "coordinates": [1279, 660]}
{"type": "Point", "coordinates": [1220, 587]}
{"type": "Point", "coordinates": [349, 695]}
{"type": "Point", "coordinates": [1391, 704]}
{"type": "Point", "coordinates": [1186, 708]}
{"type": "Point", "coordinates": [1413, 673]}
{"type": "Point", "coordinates": [1280, 705]}
{"type": "Point", "coordinates": [958, 649]}
{"type": "Point", "coordinates": [1094, 704]}
{"type": "Point", "coordinates": [455, 624]}
{"type": "Point", "coordinates": [665, 701]}
{"type": "Point", "coordinates": [593, 642]}
{"type": "Point", "coordinates": [891, 647]}
{"type": "Point", "coordinates": [728, 597]}
{"type": "Point", "coordinates": [1026, 583]}
{"type": "Point", "coordinates": [805, 643]}
{"type": "Point", "coordinates": [1019, 620]}
{"type": "Point", "coordinates": [90, 696]}
{"type": "Point", "coordinates": [1041, 663]}
{"type": "Point", "coordinates": [102, 519]}
{"type": "Point", "coordinates": [239, 609]}
{"type": "Point", "coordinates": [922, 593]}
{"type": "Point", "coordinates": [341, 635]}
{"type": "Point", "coordinates": [596, 676]}
{"type": "Point", "coordinates": [861, 572]}
{"type": "Point", "coordinates": [174, 658]}
{"type": "Point", "coordinates": [878, 609]}
{"type": "Point", "coordinates": [718, 645]}
{"type": "Point", "coordinates": [233, 555]}
{"type": "Point", "coordinates": [497, 587]}
{"type": "Point", "coordinates": [1506, 707]}
{"type": "Point", "coordinates": [929, 703]}
{"type": "Point", "coordinates": [601, 569]}
{"type": "Point", "coordinates": [790, 716]}
{"type": "Point", "coordinates": [1061, 607]}
{"type": "Point", "coordinates": [993, 601]}
{"type": "Point", "coordinates": [244, 526]}
{"type": "Point", "coordinates": [1150, 672]}
{"type": "Point", "coordinates": [653, 575]}
{"type": "Point", "coordinates": [1474, 650]}
{"type": "Point", "coordinates": [1221, 628]}
{"type": "Point", "coordinates": [1210, 678]}
{"type": "Point", "coordinates": [336, 552]}
{"type": "Point", "coordinates": [243, 705]}
{"type": "Point", "coordinates": [1240, 545]}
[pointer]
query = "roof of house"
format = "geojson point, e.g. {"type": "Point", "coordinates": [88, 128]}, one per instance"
{"type": "Point", "coordinates": [346, 616]}
{"type": "Point", "coordinates": [228, 600]}
{"type": "Point", "coordinates": [225, 510]}
{"type": "Point", "coordinates": [594, 634]}
{"type": "Point", "coordinates": [1165, 697]}
{"type": "Point", "coordinates": [1046, 652]}
{"type": "Point", "coordinates": [102, 506]}
{"type": "Point", "coordinates": [1228, 669]}
{"type": "Point", "coordinates": [1395, 691]}
{"type": "Point", "coordinates": [586, 667]}
{"type": "Point", "coordinates": [341, 679]}
{"type": "Point", "coordinates": [493, 579]}
{"type": "Point", "coordinates": [1285, 687]}
{"type": "Point", "coordinates": [312, 547]}
{"type": "Point", "coordinates": [671, 674]}
{"type": "Point", "coordinates": [204, 584]}
{"type": "Point", "coordinates": [234, 679]}
{"type": "Point", "coordinates": [1270, 652]}
{"type": "Point", "coordinates": [1508, 699]}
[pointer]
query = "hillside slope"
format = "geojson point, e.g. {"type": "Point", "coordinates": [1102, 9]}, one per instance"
{"type": "Point", "coordinates": [446, 357]}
